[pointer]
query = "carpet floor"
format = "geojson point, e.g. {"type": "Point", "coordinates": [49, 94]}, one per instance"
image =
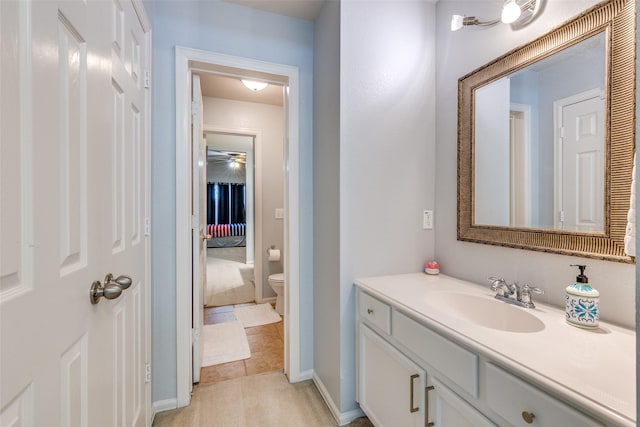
{"type": "Point", "coordinates": [229, 280]}
{"type": "Point", "coordinates": [266, 400]}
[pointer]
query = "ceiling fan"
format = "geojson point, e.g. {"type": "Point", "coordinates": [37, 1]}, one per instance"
{"type": "Point", "coordinates": [231, 158]}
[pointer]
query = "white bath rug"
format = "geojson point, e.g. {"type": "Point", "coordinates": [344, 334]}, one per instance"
{"type": "Point", "coordinates": [256, 315]}
{"type": "Point", "coordinates": [224, 342]}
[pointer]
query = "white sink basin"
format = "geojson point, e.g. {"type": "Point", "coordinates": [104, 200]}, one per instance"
{"type": "Point", "coordinates": [487, 312]}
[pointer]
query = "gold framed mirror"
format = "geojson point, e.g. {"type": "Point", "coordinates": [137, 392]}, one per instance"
{"type": "Point", "coordinates": [546, 137]}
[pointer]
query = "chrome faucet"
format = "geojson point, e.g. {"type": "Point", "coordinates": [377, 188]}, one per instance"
{"type": "Point", "coordinates": [514, 293]}
{"type": "Point", "coordinates": [499, 286]}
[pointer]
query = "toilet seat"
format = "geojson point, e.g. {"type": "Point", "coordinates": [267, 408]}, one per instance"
{"type": "Point", "coordinates": [277, 277]}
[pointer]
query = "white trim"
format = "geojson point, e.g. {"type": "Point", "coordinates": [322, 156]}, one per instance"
{"type": "Point", "coordinates": [138, 6]}
{"type": "Point", "coordinates": [306, 375]}
{"type": "Point", "coordinates": [183, 230]}
{"type": "Point", "coordinates": [341, 418]}
{"type": "Point", "coordinates": [164, 405]}
{"type": "Point", "coordinates": [148, 411]}
{"type": "Point", "coordinates": [525, 109]}
{"type": "Point", "coordinates": [183, 57]}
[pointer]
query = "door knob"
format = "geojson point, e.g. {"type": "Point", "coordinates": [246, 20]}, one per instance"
{"type": "Point", "coordinates": [109, 291]}
{"type": "Point", "coordinates": [205, 236]}
{"type": "Point", "coordinates": [123, 281]}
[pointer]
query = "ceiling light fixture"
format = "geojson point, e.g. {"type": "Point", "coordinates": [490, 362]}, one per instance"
{"type": "Point", "coordinates": [516, 12]}
{"type": "Point", "coordinates": [254, 85]}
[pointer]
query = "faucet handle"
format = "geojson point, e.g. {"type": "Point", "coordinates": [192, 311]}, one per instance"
{"type": "Point", "coordinates": [531, 289]}
{"type": "Point", "coordinates": [525, 294]}
{"type": "Point", "coordinates": [496, 282]}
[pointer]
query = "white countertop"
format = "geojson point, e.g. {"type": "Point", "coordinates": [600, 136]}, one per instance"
{"type": "Point", "coordinates": [593, 369]}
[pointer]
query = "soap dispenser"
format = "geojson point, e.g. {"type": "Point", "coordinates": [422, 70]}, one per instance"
{"type": "Point", "coordinates": [582, 302]}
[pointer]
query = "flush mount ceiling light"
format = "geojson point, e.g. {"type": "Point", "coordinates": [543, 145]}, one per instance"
{"type": "Point", "coordinates": [253, 85]}
{"type": "Point", "coordinates": [515, 12]}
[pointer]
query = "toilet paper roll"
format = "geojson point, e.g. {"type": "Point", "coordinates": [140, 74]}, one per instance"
{"type": "Point", "coordinates": [274, 254]}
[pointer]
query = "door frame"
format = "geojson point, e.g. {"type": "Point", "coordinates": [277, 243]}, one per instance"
{"type": "Point", "coordinates": [526, 111]}
{"type": "Point", "coordinates": [256, 216]}
{"type": "Point", "coordinates": [186, 59]}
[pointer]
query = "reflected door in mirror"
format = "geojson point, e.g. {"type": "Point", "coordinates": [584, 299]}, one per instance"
{"type": "Point", "coordinates": [526, 172]}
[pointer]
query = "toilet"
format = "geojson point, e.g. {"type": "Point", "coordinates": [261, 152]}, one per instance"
{"type": "Point", "coordinates": [276, 281]}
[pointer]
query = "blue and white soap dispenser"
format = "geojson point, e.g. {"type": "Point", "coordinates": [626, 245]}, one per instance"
{"type": "Point", "coordinates": [582, 302]}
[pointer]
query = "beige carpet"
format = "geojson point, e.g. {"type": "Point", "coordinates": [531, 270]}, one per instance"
{"type": "Point", "coordinates": [265, 400]}
{"type": "Point", "coordinates": [229, 280]}
{"type": "Point", "coordinates": [256, 315]}
{"type": "Point", "coordinates": [224, 342]}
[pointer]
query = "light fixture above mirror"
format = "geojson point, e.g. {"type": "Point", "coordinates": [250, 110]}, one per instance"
{"type": "Point", "coordinates": [515, 12]}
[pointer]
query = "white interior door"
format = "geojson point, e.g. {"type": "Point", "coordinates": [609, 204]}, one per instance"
{"type": "Point", "coordinates": [582, 166]}
{"type": "Point", "coordinates": [199, 228]}
{"type": "Point", "coordinates": [72, 209]}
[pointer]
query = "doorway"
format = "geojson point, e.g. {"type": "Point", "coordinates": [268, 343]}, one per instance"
{"type": "Point", "coordinates": [189, 61]}
{"type": "Point", "coordinates": [230, 222]}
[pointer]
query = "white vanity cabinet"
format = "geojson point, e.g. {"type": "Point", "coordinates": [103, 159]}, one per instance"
{"type": "Point", "coordinates": [410, 375]}
{"type": "Point", "coordinates": [391, 387]}
{"type": "Point", "coordinates": [395, 391]}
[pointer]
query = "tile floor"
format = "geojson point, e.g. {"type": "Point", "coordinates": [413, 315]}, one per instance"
{"type": "Point", "coordinates": [266, 343]}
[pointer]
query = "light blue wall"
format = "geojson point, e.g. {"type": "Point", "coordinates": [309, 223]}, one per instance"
{"type": "Point", "coordinates": [387, 152]}
{"type": "Point", "coordinates": [235, 30]}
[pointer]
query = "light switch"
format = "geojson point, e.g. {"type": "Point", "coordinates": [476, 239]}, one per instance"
{"type": "Point", "coordinates": [427, 220]}
{"type": "Point", "coordinates": [279, 213]}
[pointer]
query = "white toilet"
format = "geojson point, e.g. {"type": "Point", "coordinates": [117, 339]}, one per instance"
{"type": "Point", "coordinates": [276, 281]}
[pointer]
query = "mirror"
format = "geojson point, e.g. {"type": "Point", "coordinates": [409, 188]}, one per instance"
{"type": "Point", "coordinates": [546, 140]}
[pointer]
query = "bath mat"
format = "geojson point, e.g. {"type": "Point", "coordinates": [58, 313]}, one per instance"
{"type": "Point", "coordinates": [224, 342]}
{"type": "Point", "coordinates": [256, 315]}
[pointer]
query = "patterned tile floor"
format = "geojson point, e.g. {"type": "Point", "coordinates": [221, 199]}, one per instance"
{"type": "Point", "coordinates": [266, 343]}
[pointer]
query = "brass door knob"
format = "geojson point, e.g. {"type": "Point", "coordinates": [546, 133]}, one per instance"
{"type": "Point", "coordinates": [528, 417]}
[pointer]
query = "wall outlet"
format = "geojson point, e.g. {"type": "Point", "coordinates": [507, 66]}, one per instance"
{"type": "Point", "coordinates": [279, 213]}
{"type": "Point", "coordinates": [427, 220]}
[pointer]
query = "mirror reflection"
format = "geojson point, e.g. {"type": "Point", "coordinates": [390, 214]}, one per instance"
{"type": "Point", "coordinates": [539, 143]}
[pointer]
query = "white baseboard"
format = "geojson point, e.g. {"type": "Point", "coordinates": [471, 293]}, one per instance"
{"type": "Point", "coordinates": [164, 405]}
{"type": "Point", "coordinates": [342, 418]}
{"type": "Point", "coordinates": [300, 376]}
{"type": "Point", "coordinates": [268, 299]}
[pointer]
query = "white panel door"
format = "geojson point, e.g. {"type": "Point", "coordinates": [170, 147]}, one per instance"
{"type": "Point", "coordinates": [199, 227]}
{"type": "Point", "coordinates": [72, 205]}
{"type": "Point", "coordinates": [582, 183]}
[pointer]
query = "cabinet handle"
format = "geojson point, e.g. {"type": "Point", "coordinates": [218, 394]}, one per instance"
{"type": "Point", "coordinates": [427, 423]}
{"type": "Point", "coordinates": [369, 311]}
{"type": "Point", "coordinates": [528, 417]}
{"type": "Point", "coordinates": [411, 378]}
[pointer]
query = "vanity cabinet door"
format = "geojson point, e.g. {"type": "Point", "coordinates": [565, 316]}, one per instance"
{"type": "Point", "coordinates": [390, 386]}
{"type": "Point", "coordinates": [447, 409]}
{"type": "Point", "coordinates": [522, 404]}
